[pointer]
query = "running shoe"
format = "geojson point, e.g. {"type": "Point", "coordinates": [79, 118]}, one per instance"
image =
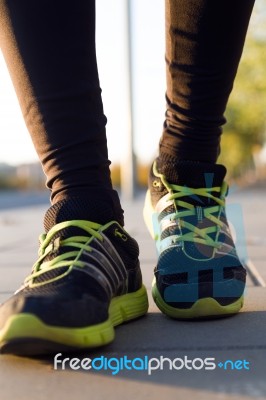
{"type": "Point", "coordinates": [86, 281]}
{"type": "Point", "coordinates": [198, 274]}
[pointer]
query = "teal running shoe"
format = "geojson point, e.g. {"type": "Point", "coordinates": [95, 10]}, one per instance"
{"type": "Point", "coordinates": [198, 274]}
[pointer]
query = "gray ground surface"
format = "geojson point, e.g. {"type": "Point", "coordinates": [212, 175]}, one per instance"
{"type": "Point", "coordinates": [242, 337]}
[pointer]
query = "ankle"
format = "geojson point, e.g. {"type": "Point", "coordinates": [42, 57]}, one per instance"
{"type": "Point", "coordinates": [95, 208]}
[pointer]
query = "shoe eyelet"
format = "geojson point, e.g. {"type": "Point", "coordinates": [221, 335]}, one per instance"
{"type": "Point", "coordinates": [156, 184]}
{"type": "Point", "coordinates": [120, 235]}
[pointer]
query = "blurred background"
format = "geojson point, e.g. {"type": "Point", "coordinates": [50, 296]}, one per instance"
{"type": "Point", "coordinates": [130, 49]}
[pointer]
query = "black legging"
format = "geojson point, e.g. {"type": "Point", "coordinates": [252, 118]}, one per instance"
{"type": "Point", "coordinates": [49, 47]}
{"type": "Point", "coordinates": [204, 43]}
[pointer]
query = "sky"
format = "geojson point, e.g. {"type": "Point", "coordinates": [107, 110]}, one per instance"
{"type": "Point", "coordinates": [148, 77]}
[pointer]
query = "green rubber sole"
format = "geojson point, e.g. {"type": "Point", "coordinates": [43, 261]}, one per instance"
{"type": "Point", "coordinates": [201, 309]}
{"type": "Point", "coordinates": [26, 334]}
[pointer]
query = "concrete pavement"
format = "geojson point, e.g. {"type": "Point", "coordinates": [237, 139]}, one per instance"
{"type": "Point", "coordinates": [242, 337]}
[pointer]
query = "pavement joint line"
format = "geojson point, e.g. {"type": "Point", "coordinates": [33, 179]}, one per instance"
{"type": "Point", "coordinates": [187, 349]}
{"type": "Point", "coordinates": [254, 274]}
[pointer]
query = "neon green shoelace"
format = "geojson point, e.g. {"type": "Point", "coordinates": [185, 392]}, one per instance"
{"type": "Point", "coordinates": [197, 234]}
{"type": "Point", "coordinates": [48, 245]}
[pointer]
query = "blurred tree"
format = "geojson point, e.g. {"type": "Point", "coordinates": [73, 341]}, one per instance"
{"type": "Point", "coordinates": [245, 129]}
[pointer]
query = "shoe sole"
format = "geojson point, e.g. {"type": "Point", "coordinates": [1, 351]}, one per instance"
{"type": "Point", "coordinates": [25, 334]}
{"type": "Point", "coordinates": [202, 308]}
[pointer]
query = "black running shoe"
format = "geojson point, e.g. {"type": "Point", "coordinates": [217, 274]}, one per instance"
{"type": "Point", "coordinates": [86, 281]}
{"type": "Point", "coordinates": [198, 273]}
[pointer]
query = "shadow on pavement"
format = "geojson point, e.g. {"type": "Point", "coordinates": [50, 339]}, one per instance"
{"type": "Point", "coordinates": [241, 338]}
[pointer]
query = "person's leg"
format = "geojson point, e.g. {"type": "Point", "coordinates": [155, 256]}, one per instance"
{"type": "Point", "coordinates": [204, 43]}
{"type": "Point", "coordinates": [198, 271]}
{"type": "Point", "coordinates": [50, 51]}
{"type": "Point", "coordinates": [87, 278]}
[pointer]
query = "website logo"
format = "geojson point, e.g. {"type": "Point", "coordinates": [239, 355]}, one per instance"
{"type": "Point", "coordinates": [148, 364]}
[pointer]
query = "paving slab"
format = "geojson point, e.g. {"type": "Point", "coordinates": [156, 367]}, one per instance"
{"type": "Point", "coordinates": [47, 384]}
{"type": "Point", "coordinates": [240, 338]}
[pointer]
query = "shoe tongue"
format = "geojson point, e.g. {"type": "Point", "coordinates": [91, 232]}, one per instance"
{"type": "Point", "coordinates": [192, 173]}
{"type": "Point", "coordinates": [77, 208]}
